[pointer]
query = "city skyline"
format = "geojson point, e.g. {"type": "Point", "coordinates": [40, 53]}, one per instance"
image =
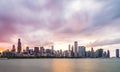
{"type": "Point", "coordinates": [73, 51]}
{"type": "Point", "coordinates": [93, 23]}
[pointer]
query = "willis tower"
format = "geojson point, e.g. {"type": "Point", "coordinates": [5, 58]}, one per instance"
{"type": "Point", "coordinates": [19, 46]}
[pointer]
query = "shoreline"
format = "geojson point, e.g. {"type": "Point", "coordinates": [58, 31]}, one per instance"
{"type": "Point", "coordinates": [5, 58]}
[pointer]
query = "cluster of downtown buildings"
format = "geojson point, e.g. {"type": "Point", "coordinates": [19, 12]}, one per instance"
{"type": "Point", "coordinates": [74, 51]}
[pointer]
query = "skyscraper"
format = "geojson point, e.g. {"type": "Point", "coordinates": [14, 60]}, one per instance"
{"type": "Point", "coordinates": [108, 54]}
{"type": "Point", "coordinates": [69, 48]}
{"type": "Point", "coordinates": [100, 52]}
{"type": "Point", "coordinates": [81, 51]}
{"type": "Point", "coordinates": [75, 48]}
{"type": "Point", "coordinates": [52, 50]}
{"type": "Point", "coordinates": [92, 53]}
{"type": "Point", "coordinates": [117, 53]}
{"type": "Point", "coordinates": [13, 48]}
{"type": "Point", "coordinates": [42, 50]}
{"type": "Point", "coordinates": [27, 50]}
{"type": "Point", "coordinates": [36, 50]}
{"type": "Point", "coordinates": [72, 52]}
{"type": "Point", "coordinates": [19, 46]}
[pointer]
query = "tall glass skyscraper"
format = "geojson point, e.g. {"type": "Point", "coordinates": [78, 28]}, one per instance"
{"type": "Point", "coordinates": [100, 53]}
{"type": "Point", "coordinates": [81, 51]}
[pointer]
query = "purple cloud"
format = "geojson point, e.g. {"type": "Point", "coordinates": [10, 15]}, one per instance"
{"type": "Point", "coordinates": [26, 17]}
{"type": "Point", "coordinates": [104, 42]}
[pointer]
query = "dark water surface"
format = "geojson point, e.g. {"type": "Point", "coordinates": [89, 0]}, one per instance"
{"type": "Point", "coordinates": [60, 65]}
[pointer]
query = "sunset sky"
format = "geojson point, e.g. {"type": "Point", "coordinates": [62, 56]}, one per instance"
{"type": "Point", "coordinates": [93, 23]}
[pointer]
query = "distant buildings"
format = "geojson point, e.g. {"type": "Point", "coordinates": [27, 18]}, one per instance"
{"type": "Point", "coordinates": [74, 51]}
{"type": "Point", "coordinates": [48, 52]}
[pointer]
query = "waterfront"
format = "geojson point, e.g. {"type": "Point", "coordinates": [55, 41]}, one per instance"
{"type": "Point", "coordinates": [60, 65]}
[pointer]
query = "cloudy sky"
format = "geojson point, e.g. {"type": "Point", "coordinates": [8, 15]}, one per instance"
{"type": "Point", "coordinates": [93, 23]}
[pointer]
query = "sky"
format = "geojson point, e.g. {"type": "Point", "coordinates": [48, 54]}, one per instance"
{"type": "Point", "coordinates": [93, 23]}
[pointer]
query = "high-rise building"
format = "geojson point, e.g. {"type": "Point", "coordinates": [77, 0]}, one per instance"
{"type": "Point", "coordinates": [48, 52]}
{"type": "Point", "coordinates": [72, 52]}
{"type": "Point", "coordinates": [100, 53]}
{"type": "Point", "coordinates": [13, 48]}
{"type": "Point", "coordinates": [69, 50]}
{"type": "Point", "coordinates": [27, 50]}
{"type": "Point", "coordinates": [81, 51]}
{"type": "Point", "coordinates": [42, 51]}
{"type": "Point", "coordinates": [69, 47]}
{"type": "Point", "coordinates": [36, 50]}
{"type": "Point", "coordinates": [61, 53]}
{"type": "Point", "coordinates": [92, 53]}
{"type": "Point", "coordinates": [19, 46]}
{"type": "Point", "coordinates": [108, 54]}
{"type": "Point", "coordinates": [31, 51]}
{"type": "Point", "coordinates": [117, 53]}
{"type": "Point", "coordinates": [75, 48]}
{"type": "Point", "coordinates": [52, 50]}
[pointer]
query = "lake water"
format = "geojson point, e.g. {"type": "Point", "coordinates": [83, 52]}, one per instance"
{"type": "Point", "coordinates": [60, 65]}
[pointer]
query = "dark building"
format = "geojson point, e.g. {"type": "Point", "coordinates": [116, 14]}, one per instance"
{"type": "Point", "coordinates": [13, 48]}
{"type": "Point", "coordinates": [88, 54]}
{"type": "Point", "coordinates": [104, 54]}
{"type": "Point", "coordinates": [19, 46]}
{"type": "Point", "coordinates": [108, 54]}
{"type": "Point", "coordinates": [36, 50]}
{"type": "Point", "coordinates": [117, 53]}
{"type": "Point", "coordinates": [52, 50]}
{"type": "Point", "coordinates": [31, 52]}
{"type": "Point", "coordinates": [7, 53]}
{"type": "Point", "coordinates": [27, 50]}
{"type": "Point", "coordinates": [48, 52]}
{"type": "Point", "coordinates": [13, 51]}
{"type": "Point", "coordinates": [42, 50]}
{"type": "Point", "coordinates": [82, 51]}
{"type": "Point", "coordinates": [72, 52]}
{"type": "Point", "coordinates": [92, 53]}
{"type": "Point", "coordinates": [100, 53]}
